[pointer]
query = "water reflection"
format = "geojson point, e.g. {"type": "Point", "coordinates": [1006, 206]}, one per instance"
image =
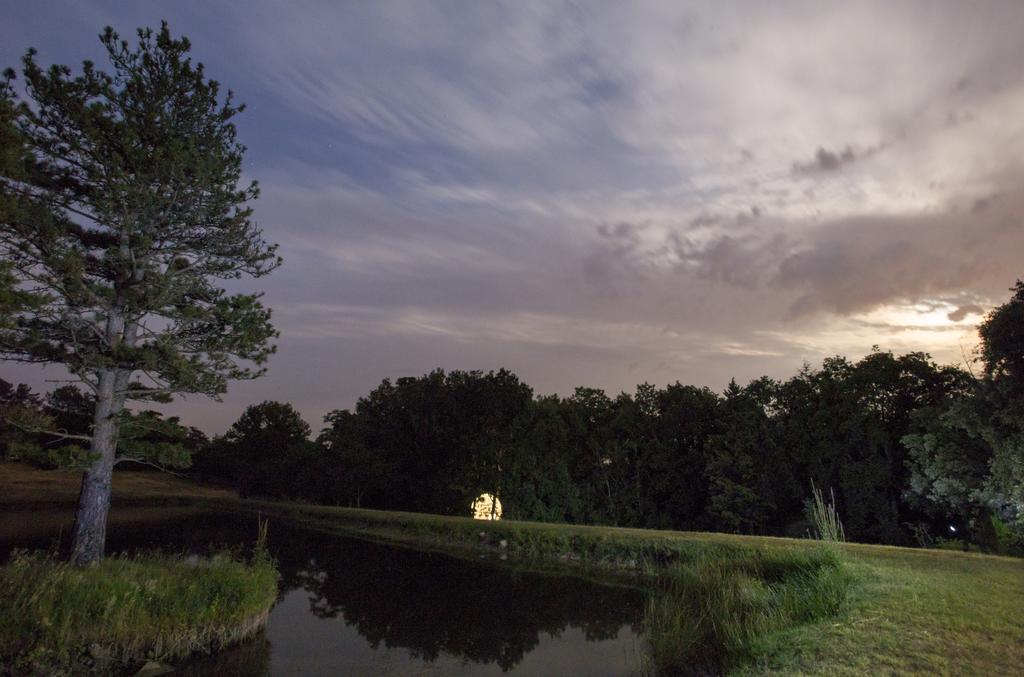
{"type": "Point", "coordinates": [356, 607]}
{"type": "Point", "coordinates": [430, 603]}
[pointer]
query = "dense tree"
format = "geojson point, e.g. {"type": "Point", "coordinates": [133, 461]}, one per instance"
{"type": "Point", "coordinates": [1002, 342]}
{"type": "Point", "coordinates": [356, 473]}
{"type": "Point", "coordinates": [217, 461]}
{"type": "Point", "coordinates": [873, 431]}
{"type": "Point", "coordinates": [446, 436]}
{"type": "Point", "coordinates": [841, 426]}
{"type": "Point", "coordinates": [999, 416]}
{"type": "Point", "coordinates": [626, 443]}
{"type": "Point", "coordinates": [678, 457]}
{"type": "Point", "coordinates": [536, 483]}
{"type": "Point", "coordinates": [588, 414]}
{"type": "Point", "coordinates": [270, 440]}
{"type": "Point", "coordinates": [948, 468]}
{"type": "Point", "coordinates": [676, 489]}
{"type": "Point", "coordinates": [484, 409]}
{"type": "Point", "coordinates": [121, 209]}
{"type": "Point", "coordinates": [741, 465]}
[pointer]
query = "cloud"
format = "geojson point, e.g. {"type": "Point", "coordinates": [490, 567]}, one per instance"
{"type": "Point", "coordinates": [962, 312]}
{"type": "Point", "coordinates": [855, 263]}
{"type": "Point", "coordinates": [825, 161]}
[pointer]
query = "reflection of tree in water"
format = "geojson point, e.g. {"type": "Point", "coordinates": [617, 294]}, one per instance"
{"type": "Point", "coordinates": [429, 603]}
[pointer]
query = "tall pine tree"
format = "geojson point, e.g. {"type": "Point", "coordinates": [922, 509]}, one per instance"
{"type": "Point", "coordinates": [121, 211]}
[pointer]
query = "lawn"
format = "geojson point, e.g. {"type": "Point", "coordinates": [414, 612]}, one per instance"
{"type": "Point", "coordinates": [915, 612]}
{"type": "Point", "coordinates": [21, 484]}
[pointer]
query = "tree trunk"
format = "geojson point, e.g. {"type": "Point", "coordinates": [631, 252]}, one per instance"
{"type": "Point", "coordinates": [94, 497]}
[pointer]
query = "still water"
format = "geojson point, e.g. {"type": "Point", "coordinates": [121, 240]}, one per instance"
{"type": "Point", "coordinates": [353, 607]}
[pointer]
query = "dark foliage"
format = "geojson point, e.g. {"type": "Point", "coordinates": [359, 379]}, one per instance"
{"type": "Point", "coordinates": [679, 457]}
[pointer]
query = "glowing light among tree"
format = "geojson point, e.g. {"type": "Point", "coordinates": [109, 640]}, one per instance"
{"type": "Point", "coordinates": [486, 507]}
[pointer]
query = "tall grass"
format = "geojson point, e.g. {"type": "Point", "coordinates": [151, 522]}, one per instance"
{"type": "Point", "coordinates": [709, 612]}
{"type": "Point", "coordinates": [55, 617]}
{"type": "Point", "coordinates": [825, 517]}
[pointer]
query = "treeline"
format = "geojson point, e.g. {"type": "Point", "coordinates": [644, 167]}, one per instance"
{"type": "Point", "coordinates": [680, 457]}
{"type": "Point", "coordinates": [914, 452]}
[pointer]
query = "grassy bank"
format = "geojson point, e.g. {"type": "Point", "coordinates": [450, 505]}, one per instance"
{"type": "Point", "coordinates": [880, 610]}
{"type": "Point", "coordinates": [55, 618]}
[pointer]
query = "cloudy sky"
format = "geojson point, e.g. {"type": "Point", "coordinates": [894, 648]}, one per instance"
{"type": "Point", "coordinates": [604, 194]}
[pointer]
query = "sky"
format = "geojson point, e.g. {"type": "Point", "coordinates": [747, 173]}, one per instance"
{"type": "Point", "coordinates": [602, 194]}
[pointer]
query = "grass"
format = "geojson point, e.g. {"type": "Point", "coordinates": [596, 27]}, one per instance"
{"type": "Point", "coordinates": [710, 613]}
{"type": "Point", "coordinates": [904, 611]}
{"type": "Point", "coordinates": [913, 612]}
{"type": "Point", "coordinates": [56, 617]}
{"type": "Point", "coordinates": [826, 522]}
{"type": "Point", "coordinates": [23, 485]}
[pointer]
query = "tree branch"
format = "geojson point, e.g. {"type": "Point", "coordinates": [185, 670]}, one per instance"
{"type": "Point", "coordinates": [159, 467]}
{"type": "Point", "coordinates": [53, 433]}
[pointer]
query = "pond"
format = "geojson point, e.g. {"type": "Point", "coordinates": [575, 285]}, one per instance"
{"type": "Point", "coordinates": [352, 607]}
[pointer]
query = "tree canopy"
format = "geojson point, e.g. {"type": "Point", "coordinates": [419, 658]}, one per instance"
{"type": "Point", "coordinates": [678, 457]}
{"type": "Point", "coordinates": [121, 212]}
